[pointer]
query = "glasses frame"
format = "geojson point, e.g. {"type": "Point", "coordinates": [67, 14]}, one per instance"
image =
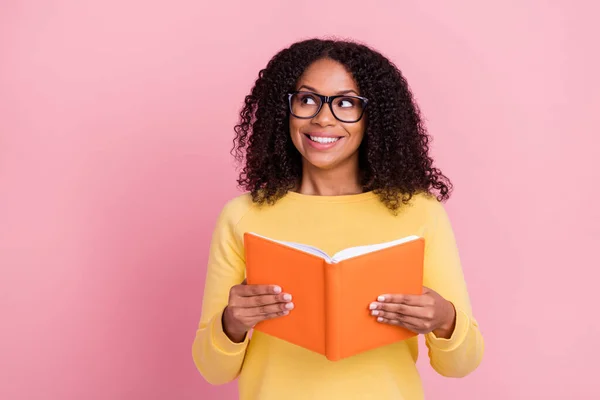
{"type": "Point", "coordinates": [328, 100]}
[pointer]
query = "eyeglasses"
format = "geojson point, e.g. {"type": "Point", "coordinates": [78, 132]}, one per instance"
{"type": "Point", "coordinates": [344, 108]}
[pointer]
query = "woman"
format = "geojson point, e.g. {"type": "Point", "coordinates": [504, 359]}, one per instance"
{"type": "Point", "coordinates": [335, 155]}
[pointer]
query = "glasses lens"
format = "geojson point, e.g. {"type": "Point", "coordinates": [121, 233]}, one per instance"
{"type": "Point", "coordinates": [348, 108]}
{"type": "Point", "coordinates": [305, 105]}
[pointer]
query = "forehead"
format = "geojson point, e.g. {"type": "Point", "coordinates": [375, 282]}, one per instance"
{"type": "Point", "coordinates": [327, 77]}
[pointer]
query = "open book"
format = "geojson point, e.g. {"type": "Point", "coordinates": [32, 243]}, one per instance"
{"type": "Point", "coordinates": [331, 294]}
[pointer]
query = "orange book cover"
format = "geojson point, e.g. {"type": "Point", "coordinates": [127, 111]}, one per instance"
{"type": "Point", "coordinates": [331, 294]}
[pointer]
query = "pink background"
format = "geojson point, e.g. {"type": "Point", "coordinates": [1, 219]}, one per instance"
{"type": "Point", "coordinates": [115, 126]}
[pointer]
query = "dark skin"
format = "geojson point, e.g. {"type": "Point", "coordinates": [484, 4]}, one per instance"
{"type": "Point", "coordinates": [250, 304]}
{"type": "Point", "coordinates": [331, 172]}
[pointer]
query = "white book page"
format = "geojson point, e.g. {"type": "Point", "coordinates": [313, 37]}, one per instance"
{"type": "Point", "coordinates": [360, 250]}
{"type": "Point", "coordinates": [299, 246]}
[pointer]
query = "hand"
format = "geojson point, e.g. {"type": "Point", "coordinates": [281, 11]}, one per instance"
{"type": "Point", "coordinates": [250, 304]}
{"type": "Point", "coordinates": [428, 312]}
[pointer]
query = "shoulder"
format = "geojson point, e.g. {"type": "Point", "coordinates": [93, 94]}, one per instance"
{"type": "Point", "coordinates": [427, 204]}
{"type": "Point", "coordinates": [428, 211]}
{"type": "Point", "coordinates": [433, 216]}
{"type": "Point", "coordinates": [234, 209]}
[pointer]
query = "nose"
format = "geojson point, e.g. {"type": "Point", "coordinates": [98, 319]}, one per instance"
{"type": "Point", "coordinates": [324, 117]}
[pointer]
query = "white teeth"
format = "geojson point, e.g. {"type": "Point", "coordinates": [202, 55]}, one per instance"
{"type": "Point", "coordinates": [324, 139]}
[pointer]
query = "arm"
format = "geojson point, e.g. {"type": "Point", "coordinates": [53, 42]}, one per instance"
{"type": "Point", "coordinates": [216, 356]}
{"type": "Point", "coordinates": [462, 352]}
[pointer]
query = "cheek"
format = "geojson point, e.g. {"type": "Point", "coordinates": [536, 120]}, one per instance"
{"type": "Point", "coordinates": [294, 128]}
{"type": "Point", "coordinates": [357, 133]}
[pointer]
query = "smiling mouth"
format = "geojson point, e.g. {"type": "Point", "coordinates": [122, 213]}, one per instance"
{"type": "Point", "coordinates": [323, 140]}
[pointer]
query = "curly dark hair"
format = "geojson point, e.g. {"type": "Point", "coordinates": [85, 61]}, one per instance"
{"type": "Point", "coordinates": [393, 156]}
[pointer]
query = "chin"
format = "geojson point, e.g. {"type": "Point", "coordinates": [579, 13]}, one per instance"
{"type": "Point", "coordinates": [323, 163]}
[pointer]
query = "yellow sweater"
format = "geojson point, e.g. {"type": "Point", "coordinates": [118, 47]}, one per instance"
{"type": "Point", "coordinates": [271, 369]}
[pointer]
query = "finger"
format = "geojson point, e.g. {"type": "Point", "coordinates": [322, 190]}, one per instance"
{"type": "Point", "coordinates": [264, 300]}
{"type": "Point", "coordinates": [390, 307]}
{"type": "Point", "coordinates": [403, 309]}
{"type": "Point", "coordinates": [256, 290]}
{"type": "Point", "coordinates": [269, 309]}
{"type": "Point", "coordinates": [416, 324]}
{"type": "Point", "coordinates": [275, 315]}
{"type": "Point", "coordinates": [248, 317]}
{"type": "Point", "coordinates": [401, 318]}
{"type": "Point", "coordinates": [411, 326]}
{"type": "Point", "coordinates": [388, 315]}
{"type": "Point", "coordinates": [421, 300]}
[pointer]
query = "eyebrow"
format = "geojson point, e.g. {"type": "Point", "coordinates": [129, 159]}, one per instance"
{"type": "Point", "coordinates": [312, 89]}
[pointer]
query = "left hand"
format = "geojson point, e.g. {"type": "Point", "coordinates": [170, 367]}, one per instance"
{"type": "Point", "coordinates": [428, 312]}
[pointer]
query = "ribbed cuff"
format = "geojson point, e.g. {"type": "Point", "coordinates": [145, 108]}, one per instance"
{"type": "Point", "coordinates": [459, 335]}
{"type": "Point", "coordinates": [221, 341]}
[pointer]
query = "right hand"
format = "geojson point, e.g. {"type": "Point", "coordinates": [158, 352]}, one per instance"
{"type": "Point", "coordinates": [250, 304]}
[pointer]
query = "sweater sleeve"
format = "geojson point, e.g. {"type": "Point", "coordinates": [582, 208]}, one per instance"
{"type": "Point", "coordinates": [217, 358]}
{"type": "Point", "coordinates": [462, 353]}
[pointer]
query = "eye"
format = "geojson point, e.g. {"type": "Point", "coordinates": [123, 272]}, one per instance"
{"type": "Point", "coordinates": [346, 102]}
{"type": "Point", "coordinates": [308, 100]}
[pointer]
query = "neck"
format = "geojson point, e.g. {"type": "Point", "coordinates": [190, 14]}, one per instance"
{"type": "Point", "coordinates": [339, 181]}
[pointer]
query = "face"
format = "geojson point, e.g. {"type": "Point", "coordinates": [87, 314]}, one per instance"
{"type": "Point", "coordinates": [324, 141]}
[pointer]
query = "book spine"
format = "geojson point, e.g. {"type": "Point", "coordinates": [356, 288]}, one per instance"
{"type": "Point", "coordinates": [332, 311]}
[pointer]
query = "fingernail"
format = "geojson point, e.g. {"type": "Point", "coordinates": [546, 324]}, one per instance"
{"type": "Point", "coordinates": [276, 289]}
{"type": "Point", "coordinates": [374, 312]}
{"type": "Point", "coordinates": [372, 306]}
{"type": "Point", "coordinates": [381, 298]}
{"type": "Point", "coordinates": [287, 297]}
{"type": "Point", "coordinates": [379, 319]}
{"type": "Point", "coordinates": [289, 306]}
{"type": "Point", "coordinates": [286, 312]}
